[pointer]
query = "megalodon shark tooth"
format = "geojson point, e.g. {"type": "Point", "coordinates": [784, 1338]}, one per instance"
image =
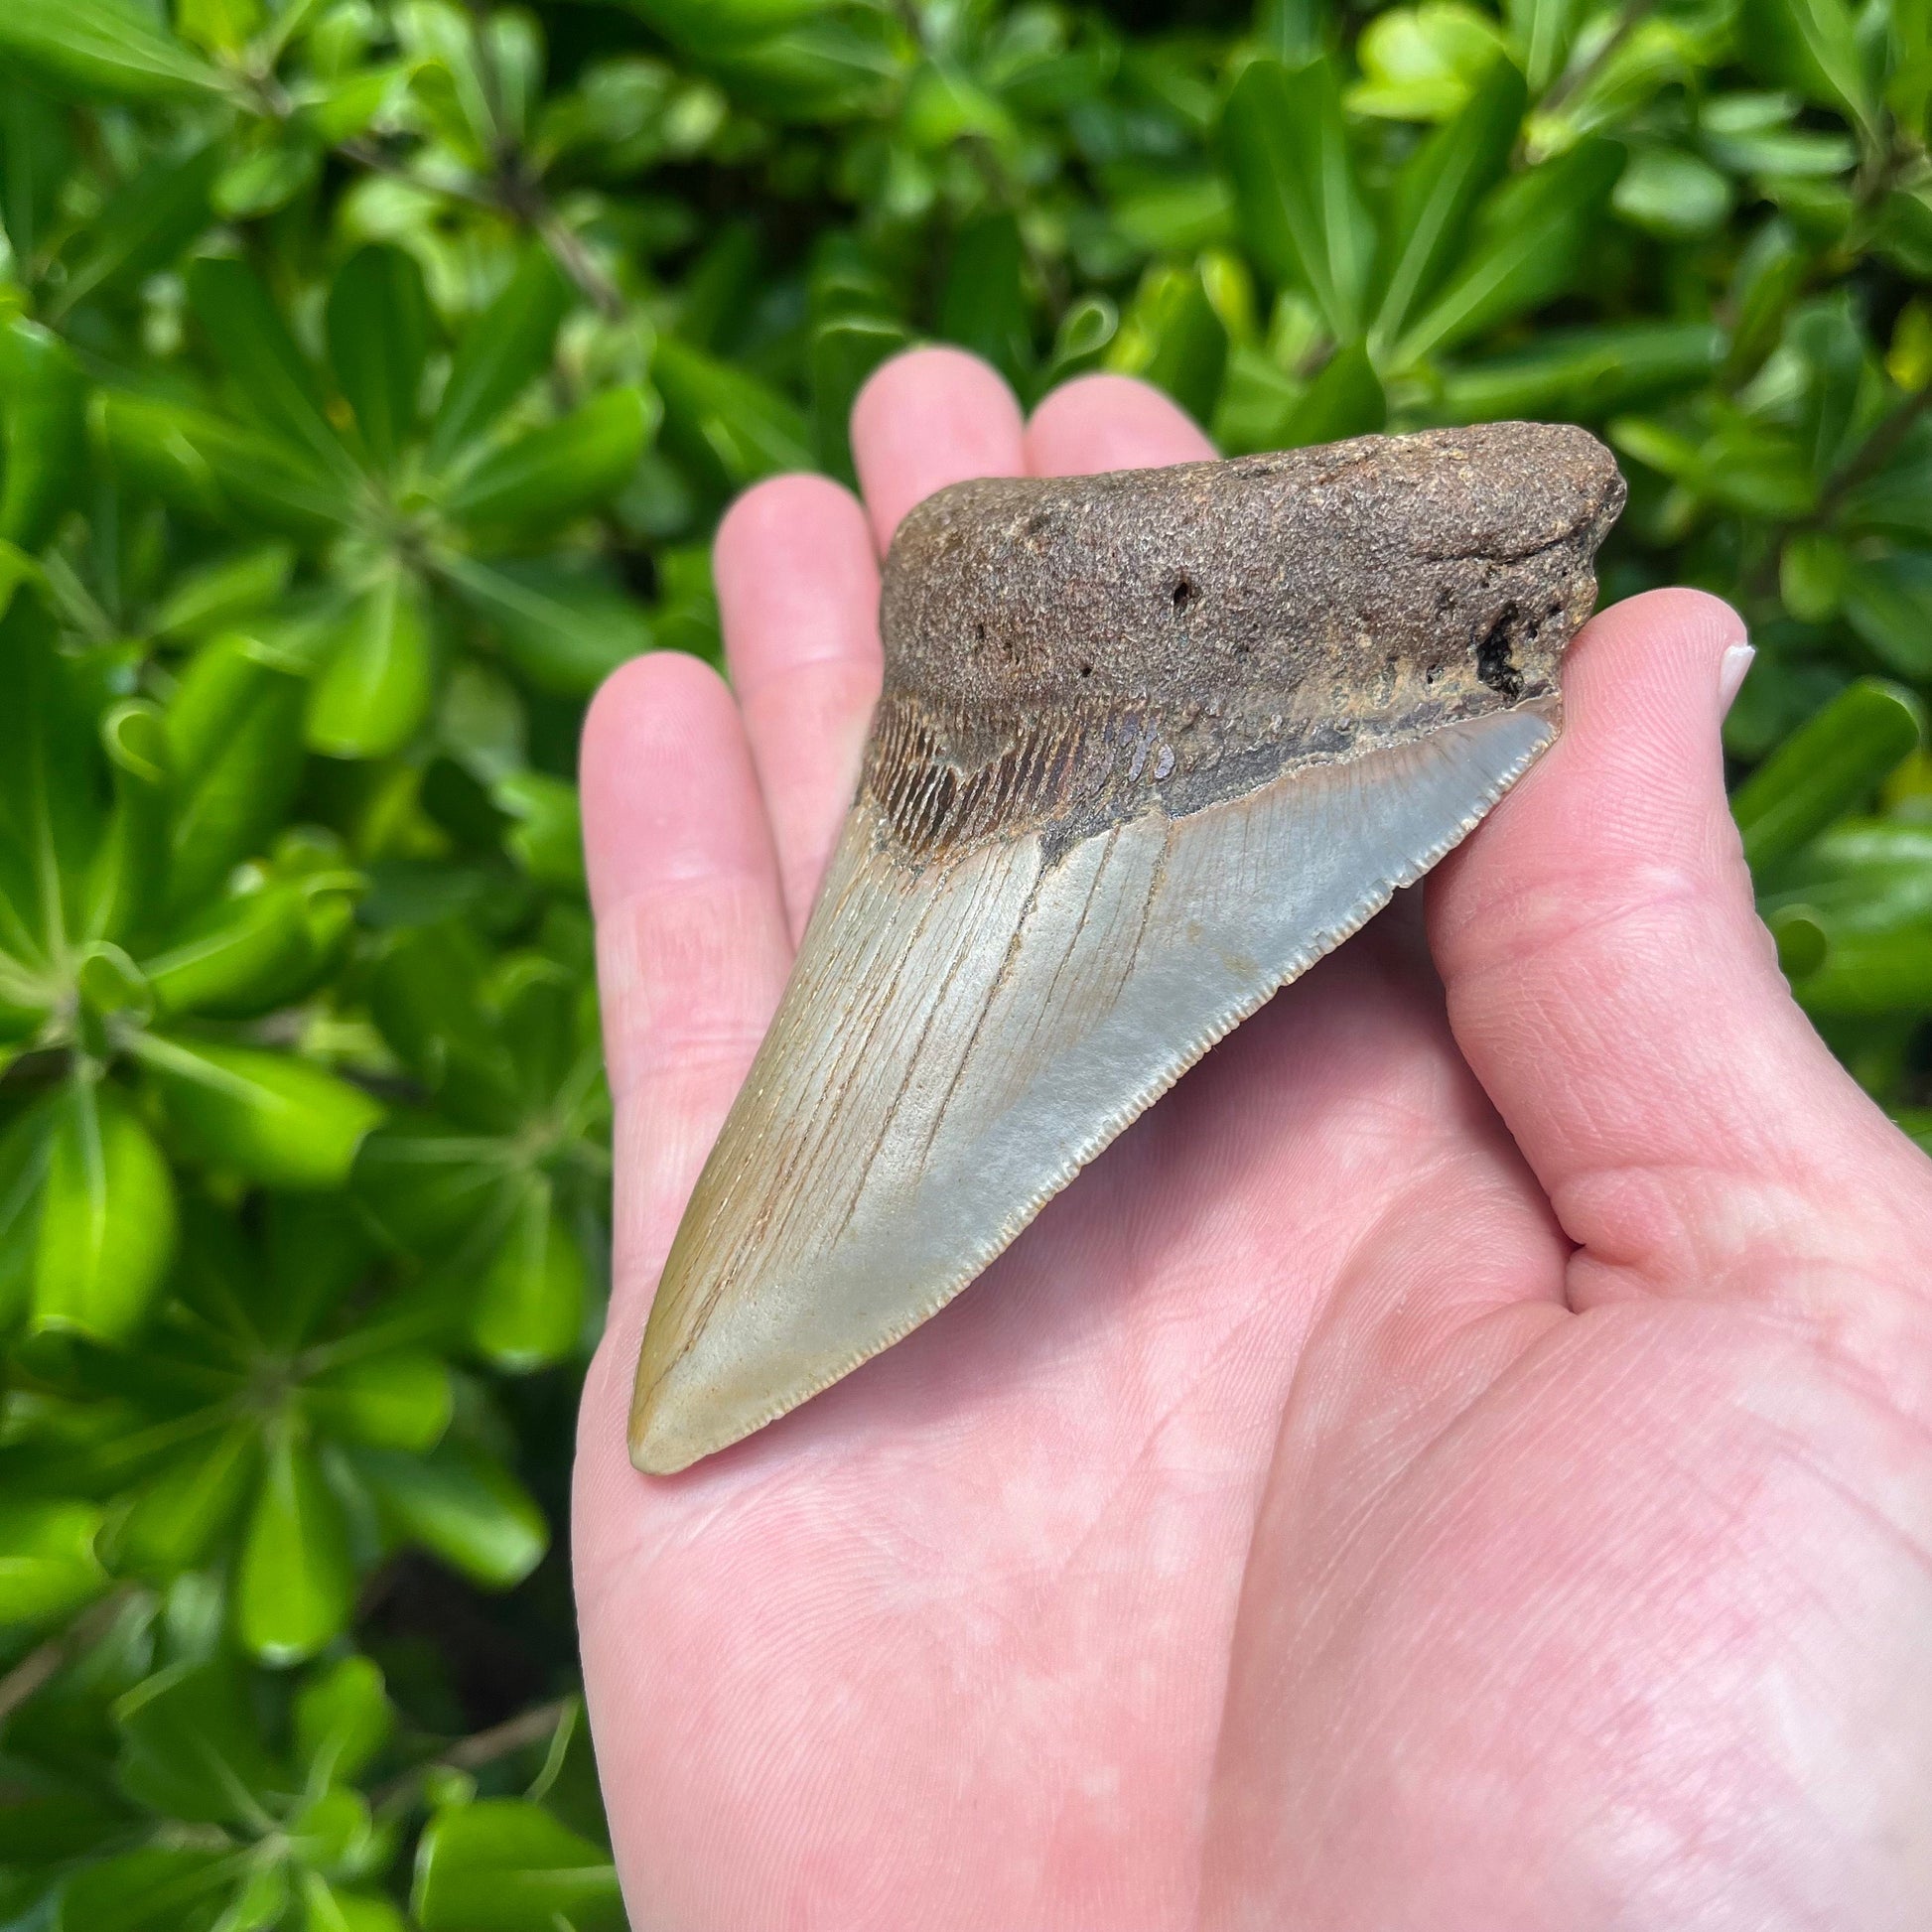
{"type": "Point", "coordinates": [1149, 745]}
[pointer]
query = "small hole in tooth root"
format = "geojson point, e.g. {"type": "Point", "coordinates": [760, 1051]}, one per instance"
{"type": "Point", "coordinates": [1495, 665]}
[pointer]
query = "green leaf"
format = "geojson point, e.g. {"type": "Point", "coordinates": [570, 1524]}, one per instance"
{"type": "Point", "coordinates": [846, 350]}
{"type": "Point", "coordinates": [1869, 975]}
{"type": "Point", "coordinates": [563, 630]}
{"type": "Point", "coordinates": [504, 1865]}
{"type": "Point", "coordinates": [983, 305]}
{"type": "Point", "coordinates": [529, 1307]}
{"type": "Point", "coordinates": [244, 955]}
{"type": "Point", "coordinates": [1419, 63]}
{"type": "Point", "coordinates": [1887, 601]}
{"type": "Point", "coordinates": [47, 1565]}
{"type": "Point", "coordinates": [260, 355]}
{"type": "Point", "coordinates": [1345, 399]}
{"type": "Point", "coordinates": [295, 1585]}
{"type": "Point", "coordinates": [329, 1909]}
{"type": "Point", "coordinates": [548, 475]}
{"type": "Point", "coordinates": [1543, 31]}
{"type": "Point", "coordinates": [1175, 338]}
{"type": "Point", "coordinates": [1575, 374]}
{"type": "Point", "coordinates": [180, 1511]}
{"type": "Point", "coordinates": [726, 424]}
{"type": "Point", "coordinates": [190, 1747]}
{"type": "Point", "coordinates": [401, 1400]}
{"type": "Point", "coordinates": [1437, 191]}
{"type": "Point", "coordinates": [217, 470]}
{"type": "Point", "coordinates": [107, 1222]}
{"type": "Point", "coordinates": [1294, 186]}
{"type": "Point", "coordinates": [546, 836]}
{"type": "Point", "coordinates": [1824, 770]}
{"type": "Point", "coordinates": [342, 1722]}
{"type": "Point", "coordinates": [504, 351]}
{"type": "Point", "coordinates": [1085, 333]}
{"type": "Point", "coordinates": [1531, 238]}
{"type": "Point", "coordinates": [1812, 46]}
{"type": "Point", "coordinates": [466, 1510]}
{"type": "Point", "coordinates": [105, 47]}
{"type": "Point", "coordinates": [276, 1120]}
{"type": "Point", "coordinates": [170, 1890]}
{"type": "Point", "coordinates": [143, 227]}
{"type": "Point", "coordinates": [220, 594]}
{"type": "Point", "coordinates": [43, 432]}
{"type": "Point", "coordinates": [373, 690]}
{"type": "Point", "coordinates": [234, 737]}
{"type": "Point", "coordinates": [127, 876]}
{"type": "Point", "coordinates": [379, 342]}
{"type": "Point", "coordinates": [1672, 194]}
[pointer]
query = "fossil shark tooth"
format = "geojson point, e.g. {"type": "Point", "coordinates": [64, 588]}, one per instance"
{"type": "Point", "coordinates": [1149, 745]}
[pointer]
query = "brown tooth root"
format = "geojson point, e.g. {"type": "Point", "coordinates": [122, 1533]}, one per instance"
{"type": "Point", "coordinates": [1149, 745]}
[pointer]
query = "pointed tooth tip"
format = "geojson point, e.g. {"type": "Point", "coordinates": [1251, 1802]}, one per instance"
{"type": "Point", "coordinates": [662, 1441]}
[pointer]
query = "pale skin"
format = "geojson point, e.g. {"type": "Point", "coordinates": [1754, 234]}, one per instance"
{"type": "Point", "coordinates": [1463, 1460]}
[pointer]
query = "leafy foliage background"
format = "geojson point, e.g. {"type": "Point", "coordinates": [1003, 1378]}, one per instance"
{"type": "Point", "coordinates": [371, 373]}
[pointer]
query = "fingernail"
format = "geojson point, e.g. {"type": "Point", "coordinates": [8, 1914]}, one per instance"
{"type": "Point", "coordinates": [1731, 674]}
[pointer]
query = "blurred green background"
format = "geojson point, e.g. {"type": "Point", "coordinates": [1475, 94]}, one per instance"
{"type": "Point", "coordinates": [372, 377]}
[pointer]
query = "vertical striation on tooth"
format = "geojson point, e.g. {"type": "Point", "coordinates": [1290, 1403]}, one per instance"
{"type": "Point", "coordinates": [1149, 745]}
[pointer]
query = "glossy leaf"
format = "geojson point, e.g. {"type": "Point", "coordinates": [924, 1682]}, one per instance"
{"type": "Point", "coordinates": [550, 474]}
{"type": "Point", "coordinates": [983, 305]}
{"type": "Point", "coordinates": [261, 356]}
{"type": "Point", "coordinates": [42, 432]}
{"type": "Point", "coordinates": [530, 1304]}
{"type": "Point", "coordinates": [504, 351]}
{"type": "Point", "coordinates": [373, 690]}
{"type": "Point", "coordinates": [1437, 192]}
{"type": "Point", "coordinates": [47, 1564]}
{"type": "Point", "coordinates": [845, 350]}
{"type": "Point", "coordinates": [1824, 768]}
{"type": "Point", "coordinates": [107, 1219]}
{"type": "Point", "coordinates": [296, 1582]}
{"type": "Point", "coordinates": [562, 628]}
{"type": "Point", "coordinates": [277, 1120]}
{"type": "Point", "coordinates": [159, 1889]}
{"type": "Point", "coordinates": [1530, 239]}
{"type": "Point", "coordinates": [1810, 46]}
{"type": "Point", "coordinates": [732, 427]}
{"type": "Point", "coordinates": [502, 1866]}
{"type": "Point", "coordinates": [1345, 399]}
{"type": "Point", "coordinates": [105, 46]}
{"type": "Point", "coordinates": [463, 1508]}
{"type": "Point", "coordinates": [193, 1498]}
{"type": "Point", "coordinates": [400, 1400]}
{"type": "Point", "coordinates": [1294, 186]}
{"type": "Point", "coordinates": [342, 1720]}
{"type": "Point", "coordinates": [234, 737]}
{"type": "Point", "coordinates": [379, 342]}
{"type": "Point", "coordinates": [190, 1747]}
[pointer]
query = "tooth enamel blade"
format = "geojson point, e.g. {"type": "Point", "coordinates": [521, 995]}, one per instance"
{"type": "Point", "coordinates": [951, 1051]}
{"type": "Point", "coordinates": [1148, 746]}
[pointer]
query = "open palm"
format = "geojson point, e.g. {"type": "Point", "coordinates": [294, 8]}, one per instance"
{"type": "Point", "coordinates": [1462, 1459]}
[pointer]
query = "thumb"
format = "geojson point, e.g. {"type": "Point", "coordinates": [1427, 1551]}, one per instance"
{"type": "Point", "coordinates": [1610, 983]}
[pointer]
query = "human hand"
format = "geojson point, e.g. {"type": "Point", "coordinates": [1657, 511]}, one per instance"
{"type": "Point", "coordinates": [1462, 1460]}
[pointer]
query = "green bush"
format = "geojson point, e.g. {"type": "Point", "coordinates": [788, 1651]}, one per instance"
{"type": "Point", "coordinates": [371, 373]}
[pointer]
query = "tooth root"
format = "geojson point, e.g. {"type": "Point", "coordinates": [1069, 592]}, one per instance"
{"type": "Point", "coordinates": [959, 1038]}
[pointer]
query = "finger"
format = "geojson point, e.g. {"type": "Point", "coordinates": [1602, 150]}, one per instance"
{"type": "Point", "coordinates": [925, 419]}
{"type": "Point", "coordinates": [692, 951]}
{"type": "Point", "coordinates": [1610, 983]}
{"type": "Point", "coordinates": [798, 594]}
{"type": "Point", "coordinates": [1110, 422]}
